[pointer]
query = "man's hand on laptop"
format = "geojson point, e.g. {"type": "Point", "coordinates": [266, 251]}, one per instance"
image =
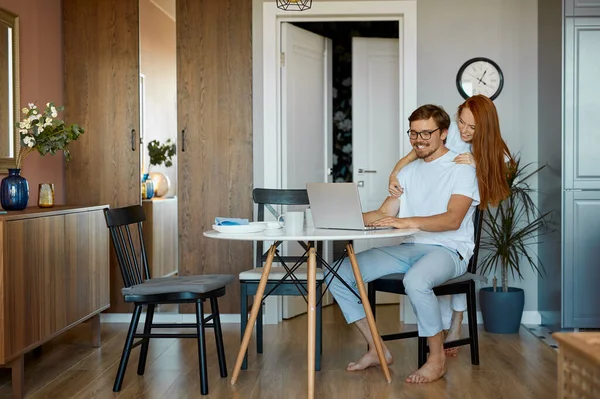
{"type": "Point", "coordinates": [391, 221]}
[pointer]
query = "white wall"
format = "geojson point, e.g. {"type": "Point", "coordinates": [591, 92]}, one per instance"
{"type": "Point", "coordinates": [450, 33]}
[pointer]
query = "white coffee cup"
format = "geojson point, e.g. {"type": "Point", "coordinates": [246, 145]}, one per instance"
{"type": "Point", "coordinates": [294, 221]}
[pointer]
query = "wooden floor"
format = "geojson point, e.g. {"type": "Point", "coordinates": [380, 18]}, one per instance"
{"type": "Point", "coordinates": [512, 366]}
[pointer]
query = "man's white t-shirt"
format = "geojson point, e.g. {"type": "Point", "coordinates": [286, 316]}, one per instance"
{"type": "Point", "coordinates": [454, 142]}
{"type": "Point", "coordinates": [428, 187]}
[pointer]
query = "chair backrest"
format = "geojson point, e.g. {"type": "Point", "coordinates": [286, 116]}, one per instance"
{"type": "Point", "coordinates": [478, 221]}
{"type": "Point", "coordinates": [131, 252]}
{"type": "Point", "coordinates": [265, 198]}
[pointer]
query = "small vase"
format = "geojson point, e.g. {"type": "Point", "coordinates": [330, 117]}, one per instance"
{"type": "Point", "coordinates": [14, 191]}
{"type": "Point", "coordinates": [46, 195]}
{"type": "Point", "coordinates": [147, 187]}
{"type": "Point", "coordinates": [162, 183]}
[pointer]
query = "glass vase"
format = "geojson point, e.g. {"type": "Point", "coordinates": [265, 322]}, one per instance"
{"type": "Point", "coordinates": [46, 195]}
{"type": "Point", "coordinates": [14, 191]}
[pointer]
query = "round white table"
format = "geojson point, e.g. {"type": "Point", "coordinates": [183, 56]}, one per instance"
{"type": "Point", "coordinates": [311, 234]}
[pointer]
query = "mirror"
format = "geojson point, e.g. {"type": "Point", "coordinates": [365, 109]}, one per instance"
{"type": "Point", "coordinates": [9, 89]}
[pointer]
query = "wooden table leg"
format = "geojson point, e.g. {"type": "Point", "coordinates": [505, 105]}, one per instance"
{"type": "Point", "coordinates": [370, 319]}
{"type": "Point", "coordinates": [18, 377]}
{"type": "Point", "coordinates": [253, 313]}
{"type": "Point", "coordinates": [96, 335]}
{"type": "Point", "coordinates": [312, 319]}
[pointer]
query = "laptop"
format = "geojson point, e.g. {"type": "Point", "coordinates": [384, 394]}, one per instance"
{"type": "Point", "coordinates": [337, 206]}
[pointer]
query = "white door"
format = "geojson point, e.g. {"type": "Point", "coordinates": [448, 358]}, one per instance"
{"type": "Point", "coordinates": [375, 126]}
{"type": "Point", "coordinates": [306, 122]}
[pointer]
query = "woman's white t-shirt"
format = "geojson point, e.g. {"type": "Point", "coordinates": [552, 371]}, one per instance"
{"type": "Point", "coordinates": [454, 142]}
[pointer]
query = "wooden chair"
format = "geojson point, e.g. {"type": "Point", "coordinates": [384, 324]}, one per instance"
{"type": "Point", "coordinates": [142, 290]}
{"type": "Point", "coordinates": [283, 280]}
{"type": "Point", "coordinates": [464, 284]}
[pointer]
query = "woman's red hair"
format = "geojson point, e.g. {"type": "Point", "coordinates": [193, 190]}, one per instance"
{"type": "Point", "coordinates": [489, 150]}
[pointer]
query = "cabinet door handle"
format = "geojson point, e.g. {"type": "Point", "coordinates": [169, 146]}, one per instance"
{"type": "Point", "coordinates": [366, 171]}
{"type": "Point", "coordinates": [132, 139]}
{"type": "Point", "coordinates": [182, 140]}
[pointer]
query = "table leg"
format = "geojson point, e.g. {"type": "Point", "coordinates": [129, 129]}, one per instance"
{"type": "Point", "coordinates": [312, 319]}
{"type": "Point", "coordinates": [18, 377]}
{"type": "Point", "coordinates": [96, 327]}
{"type": "Point", "coordinates": [370, 319]}
{"type": "Point", "coordinates": [253, 313]}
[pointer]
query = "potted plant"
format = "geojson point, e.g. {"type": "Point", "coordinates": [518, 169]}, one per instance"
{"type": "Point", "coordinates": [160, 154]}
{"type": "Point", "coordinates": [510, 230]}
{"type": "Point", "coordinates": [39, 131]}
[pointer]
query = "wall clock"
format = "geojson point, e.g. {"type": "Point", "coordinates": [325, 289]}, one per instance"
{"type": "Point", "coordinates": [479, 76]}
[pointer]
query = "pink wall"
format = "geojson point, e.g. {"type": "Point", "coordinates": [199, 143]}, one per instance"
{"type": "Point", "coordinates": [41, 81]}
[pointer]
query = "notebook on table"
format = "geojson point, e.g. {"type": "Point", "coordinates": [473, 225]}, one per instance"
{"type": "Point", "coordinates": [337, 206]}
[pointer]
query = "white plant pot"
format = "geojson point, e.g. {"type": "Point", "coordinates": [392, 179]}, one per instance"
{"type": "Point", "coordinates": [162, 183]}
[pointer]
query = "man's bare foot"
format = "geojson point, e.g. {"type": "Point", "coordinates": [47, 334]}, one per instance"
{"type": "Point", "coordinates": [431, 371]}
{"type": "Point", "coordinates": [370, 359]}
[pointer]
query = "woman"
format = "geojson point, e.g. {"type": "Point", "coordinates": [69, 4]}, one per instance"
{"type": "Point", "coordinates": [476, 137]}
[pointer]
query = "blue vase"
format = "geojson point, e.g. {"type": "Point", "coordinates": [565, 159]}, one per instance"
{"type": "Point", "coordinates": [14, 191]}
{"type": "Point", "coordinates": [147, 181]}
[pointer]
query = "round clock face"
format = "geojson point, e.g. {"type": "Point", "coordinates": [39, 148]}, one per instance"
{"type": "Point", "coordinates": [479, 76]}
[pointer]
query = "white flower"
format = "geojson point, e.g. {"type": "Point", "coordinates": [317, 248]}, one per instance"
{"type": "Point", "coordinates": [48, 121]}
{"type": "Point", "coordinates": [347, 149]}
{"type": "Point", "coordinates": [25, 110]}
{"type": "Point", "coordinates": [23, 131]}
{"type": "Point", "coordinates": [33, 118]}
{"type": "Point", "coordinates": [32, 106]}
{"type": "Point", "coordinates": [34, 112]}
{"type": "Point", "coordinates": [29, 141]}
{"type": "Point", "coordinates": [339, 116]}
{"type": "Point", "coordinates": [54, 114]}
{"type": "Point", "coordinates": [345, 125]}
{"type": "Point", "coordinates": [47, 104]}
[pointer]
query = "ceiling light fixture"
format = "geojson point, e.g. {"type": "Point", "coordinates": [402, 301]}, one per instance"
{"type": "Point", "coordinates": [294, 5]}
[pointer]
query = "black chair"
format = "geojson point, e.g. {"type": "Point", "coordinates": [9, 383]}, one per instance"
{"type": "Point", "coordinates": [142, 290]}
{"type": "Point", "coordinates": [284, 280]}
{"type": "Point", "coordinates": [464, 284]}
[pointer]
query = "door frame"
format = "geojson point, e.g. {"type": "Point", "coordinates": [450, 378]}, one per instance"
{"type": "Point", "coordinates": [266, 86]}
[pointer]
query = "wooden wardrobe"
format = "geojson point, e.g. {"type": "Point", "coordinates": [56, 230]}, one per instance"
{"type": "Point", "coordinates": [214, 145]}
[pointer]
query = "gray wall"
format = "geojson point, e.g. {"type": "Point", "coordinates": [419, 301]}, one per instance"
{"type": "Point", "coordinates": [450, 33]}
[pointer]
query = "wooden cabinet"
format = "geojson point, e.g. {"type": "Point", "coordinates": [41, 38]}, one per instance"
{"type": "Point", "coordinates": [160, 235]}
{"type": "Point", "coordinates": [582, 8]}
{"type": "Point", "coordinates": [54, 274]}
{"type": "Point", "coordinates": [214, 107]}
{"type": "Point", "coordinates": [101, 57]}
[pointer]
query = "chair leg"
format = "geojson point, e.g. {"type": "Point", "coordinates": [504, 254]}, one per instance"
{"type": "Point", "coordinates": [135, 319]}
{"type": "Point", "coordinates": [372, 294]}
{"type": "Point", "coordinates": [146, 341]}
{"type": "Point", "coordinates": [422, 351]}
{"type": "Point", "coordinates": [201, 348]}
{"type": "Point", "coordinates": [473, 334]}
{"type": "Point", "coordinates": [243, 317]}
{"type": "Point", "coordinates": [259, 329]}
{"type": "Point", "coordinates": [218, 336]}
{"type": "Point", "coordinates": [319, 328]}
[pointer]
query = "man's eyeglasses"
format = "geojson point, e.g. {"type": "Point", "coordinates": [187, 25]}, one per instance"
{"type": "Point", "coordinates": [425, 134]}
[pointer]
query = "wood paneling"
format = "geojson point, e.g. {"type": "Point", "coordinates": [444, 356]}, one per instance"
{"type": "Point", "coordinates": [214, 71]}
{"type": "Point", "coordinates": [54, 274]}
{"type": "Point", "coordinates": [160, 235]}
{"type": "Point", "coordinates": [101, 48]}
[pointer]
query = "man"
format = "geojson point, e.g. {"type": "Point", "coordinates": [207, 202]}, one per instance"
{"type": "Point", "coordinates": [439, 198]}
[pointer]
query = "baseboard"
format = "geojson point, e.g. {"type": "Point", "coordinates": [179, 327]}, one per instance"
{"type": "Point", "coordinates": [177, 318]}
{"type": "Point", "coordinates": [529, 317]}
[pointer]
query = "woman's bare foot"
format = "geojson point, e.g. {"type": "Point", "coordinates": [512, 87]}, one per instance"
{"type": "Point", "coordinates": [431, 371]}
{"type": "Point", "coordinates": [453, 333]}
{"type": "Point", "coordinates": [370, 359]}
